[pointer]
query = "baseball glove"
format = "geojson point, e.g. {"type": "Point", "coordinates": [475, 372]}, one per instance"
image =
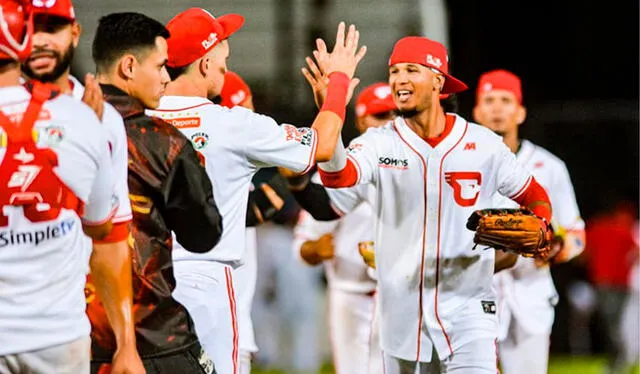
{"type": "Point", "coordinates": [512, 230]}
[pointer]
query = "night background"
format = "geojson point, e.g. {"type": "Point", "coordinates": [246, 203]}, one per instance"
{"type": "Point", "coordinates": [578, 62]}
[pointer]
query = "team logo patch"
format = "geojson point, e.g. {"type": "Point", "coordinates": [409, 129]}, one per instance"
{"type": "Point", "coordinates": [393, 163]}
{"type": "Point", "coordinates": [52, 135]}
{"type": "Point", "coordinates": [354, 148]}
{"type": "Point", "coordinates": [303, 136]}
{"type": "Point", "coordinates": [199, 140]}
{"type": "Point", "coordinates": [489, 307]}
{"type": "Point", "coordinates": [206, 363]}
{"type": "Point", "coordinates": [466, 186]}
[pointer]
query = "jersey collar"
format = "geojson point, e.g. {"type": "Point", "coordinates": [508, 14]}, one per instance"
{"type": "Point", "coordinates": [449, 141]}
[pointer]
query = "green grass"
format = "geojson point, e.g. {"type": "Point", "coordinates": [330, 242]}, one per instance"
{"type": "Point", "coordinates": [557, 365]}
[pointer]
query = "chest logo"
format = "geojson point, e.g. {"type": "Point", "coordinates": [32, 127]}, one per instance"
{"type": "Point", "coordinates": [199, 140]}
{"type": "Point", "coordinates": [466, 186]}
{"type": "Point", "coordinates": [393, 163]}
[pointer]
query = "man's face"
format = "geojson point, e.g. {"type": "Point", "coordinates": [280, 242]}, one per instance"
{"type": "Point", "coordinates": [373, 120]}
{"type": "Point", "coordinates": [149, 76]}
{"type": "Point", "coordinates": [411, 86]}
{"type": "Point", "coordinates": [217, 67]}
{"type": "Point", "coordinates": [54, 42]}
{"type": "Point", "coordinates": [500, 111]}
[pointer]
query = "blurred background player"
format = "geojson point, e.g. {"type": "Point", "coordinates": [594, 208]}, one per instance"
{"type": "Point", "coordinates": [56, 36]}
{"type": "Point", "coordinates": [169, 190]}
{"type": "Point", "coordinates": [57, 181]}
{"type": "Point", "coordinates": [351, 291]}
{"type": "Point", "coordinates": [609, 257]}
{"type": "Point", "coordinates": [235, 143]}
{"type": "Point", "coordinates": [264, 202]}
{"type": "Point", "coordinates": [526, 294]}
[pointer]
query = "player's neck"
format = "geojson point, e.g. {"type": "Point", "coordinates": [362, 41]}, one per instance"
{"type": "Point", "coordinates": [428, 123]}
{"type": "Point", "coordinates": [63, 83]}
{"type": "Point", "coordinates": [512, 141]}
{"type": "Point", "coordinates": [10, 75]}
{"type": "Point", "coordinates": [185, 86]}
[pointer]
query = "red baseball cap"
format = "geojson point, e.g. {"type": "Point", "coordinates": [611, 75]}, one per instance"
{"type": "Point", "coordinates": [195, 32]}
{"type": "Point", "coordinates": [375, 99]}
{"type": "Point", "coordinates": [500, 80]}
{"type": "Point", "coordinates": [58, 8]}
{"type": "Point", "coordinates": [234, 91]}
{"type": "Point", "coordinates": [429, 53]}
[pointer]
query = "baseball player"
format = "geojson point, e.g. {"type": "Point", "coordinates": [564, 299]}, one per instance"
{"type": "Point", "coordinates": [235, 143]}
{"type": "Point", "coordinates": [431, 170]}
{"type": "Point", "coordinates": [56, 179]}
{"type": "Point", "coordinates": [526, 294]}
{"type": "Point", "coordinates": [236, 92]}
{"type": "Point", "coordinates": [351, 289]}
{"type": "Point", "coordinates": [55, 38]}
{"type": "Point", "coordinates": [170, 192]}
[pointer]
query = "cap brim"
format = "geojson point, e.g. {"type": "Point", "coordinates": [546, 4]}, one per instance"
{"type": "Point", "coordinates": [452, 85]}
{"type": "Point", "coordinates": [230, 23]}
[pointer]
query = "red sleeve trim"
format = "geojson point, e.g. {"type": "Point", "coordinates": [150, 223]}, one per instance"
{"type": "Point", "coordinates": [312, 156]}
{"type": "Point", "coordinates": [119, 232]}
{"type": "Point", "coordinates": [346, 177]}
{"type": "Point", "coordinates": [535, 198]}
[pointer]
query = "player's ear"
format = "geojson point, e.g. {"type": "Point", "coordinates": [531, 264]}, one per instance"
{"type": "Point", "coordinates": [204, 65]}
{"type": "Point", "coordinates": [76, 30]}
{"type": "Point", "coordinates": [521, 115]}
{"type": "Point", "coordinates": [127, 66]}
{"type": "Point", "coordinates": [477, 116]}
{"type": "Point", "coordinates": [438, 82]}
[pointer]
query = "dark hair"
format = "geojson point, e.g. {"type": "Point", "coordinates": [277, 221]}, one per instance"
{"type": "Point", "coordinates": [121, 33]}
{"type": "Point", "coordinates": [450, 104]}
{"type": "Point", "coordinates": [175, 72]}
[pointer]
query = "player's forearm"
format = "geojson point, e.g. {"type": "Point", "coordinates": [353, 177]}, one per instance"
{"type": "Point", "coordinates": [504, 260]}
{"type": "Point", "coordinates": [111, 273]}
{"type": "Point", "coordinates": [536, 199]}
{"type": "Point", "coordinates": [328, 123]}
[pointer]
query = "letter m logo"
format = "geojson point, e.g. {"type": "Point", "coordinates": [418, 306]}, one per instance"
{"type": "Point", "coordinates": [471, 146]}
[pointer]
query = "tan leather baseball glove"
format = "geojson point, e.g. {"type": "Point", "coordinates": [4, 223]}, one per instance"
{"type": "Point", "coordinates": [513, 230]}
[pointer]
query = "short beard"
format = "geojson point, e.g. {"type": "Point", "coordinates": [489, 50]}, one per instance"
{"type": "Point", "coordinates": [498, 132]}
{"type": "Point", "coordinates": [62, 65]}
{"type": "Point", "coordinates": [408, 113]}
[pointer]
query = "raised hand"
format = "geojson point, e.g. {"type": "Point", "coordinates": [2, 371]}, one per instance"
{"type": "Point", "coordinates": [345, 56]}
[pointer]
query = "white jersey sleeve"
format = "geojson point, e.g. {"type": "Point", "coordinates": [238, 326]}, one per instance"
{"type": "Point", "coordinates": [512, 178]}
{"type": "Point", "coordinates": [362, 153]}
{"type": "Point", "coordinates": [117, 138]}
{"type": "Point", "coordinates": [268, 144]}
{"type": "Point", "coordinates": [102, 203]}
{"type": "Point", "coordinates": [563, 201]}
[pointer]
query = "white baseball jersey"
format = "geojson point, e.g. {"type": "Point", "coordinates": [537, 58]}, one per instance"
{"type": "Point", "coordinates": [235, 144]}
{"type": "Point", "coordinates": [526, 292]}
{"type": "Point", "coordinates": [435, 289]}
{"type": "Point", "coordinates": [346, 271]}
{"type": "Point", "coordinates": [42, 264]}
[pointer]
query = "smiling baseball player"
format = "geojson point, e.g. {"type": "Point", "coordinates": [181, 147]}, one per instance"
{"type": "Point", "coordinates": [526, 294]}
{"type": "Point", "coordinates": [235, 143]}
{"type": "Point", "coordinates": [431, 171]}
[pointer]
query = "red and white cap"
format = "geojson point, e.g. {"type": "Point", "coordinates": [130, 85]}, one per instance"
{"type": "Point", "coordinates": [195, 32]}
{"type": "Point", "coordinates": [374, 99]}
{"type": "Point", "coordinates": [500, 80]}
{"type": "Point", "coordinates": [429, 53]}
{"type": "Point", "coordinates": [234, 91]}
{"type": "Point", "coordinates": [17, 29]}
{"type": "Point", "coordinates": [58, 8]}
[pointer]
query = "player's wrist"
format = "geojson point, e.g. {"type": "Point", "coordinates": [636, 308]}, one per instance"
{"type": "Point", "coordinates": [337, 90]}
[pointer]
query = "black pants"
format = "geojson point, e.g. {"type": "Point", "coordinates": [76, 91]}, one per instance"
{"type": "Point", "coordinates": [191, 361]}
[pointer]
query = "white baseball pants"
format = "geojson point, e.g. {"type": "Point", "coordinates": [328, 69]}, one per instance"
{"type": "Point", "coordinates": [208, 293]}
{"type": "Point", "coordinates": [523, 353]}
{"type": "Point", "coordinates": [476, 357]}
{"type": "Point", "coordinates": [355, 346]}
{"type": "Point", "coordinates": [69, 358]}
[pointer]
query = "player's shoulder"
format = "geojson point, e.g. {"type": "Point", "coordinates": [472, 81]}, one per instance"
{"type": "Point", "coordinates": [378, 134]}
{"type": "Point", "coordinates": [482, 133]}
{"type": "Point", "coordinates": [68, 109]}
{"type": "Point", "coordinates": [540, 154]}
